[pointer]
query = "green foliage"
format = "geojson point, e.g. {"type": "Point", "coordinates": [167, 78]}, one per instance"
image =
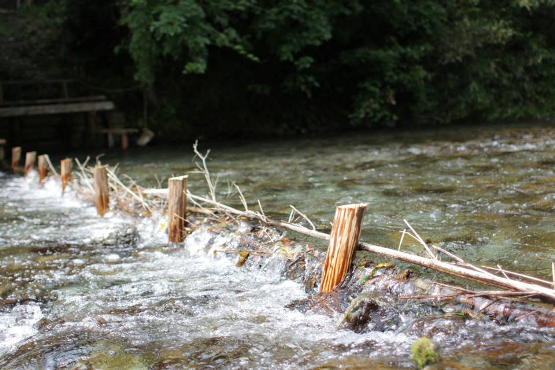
{"type": "Point", "coordinates": [181, 32]}
{"type": "Point", "coordinates": [234, 67]}
{"type": "Point", "coordinates": [384, 61]}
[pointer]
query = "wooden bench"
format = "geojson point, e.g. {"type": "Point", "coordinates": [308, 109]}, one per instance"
{"type": "Point", "coordinates": [111, 132]}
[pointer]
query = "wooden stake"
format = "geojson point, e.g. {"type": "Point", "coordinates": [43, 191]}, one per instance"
{"type": "Point", "coordinates": [30, 159]}
{"type": "Point", "coordinates": [16, 157]}
{"type": "Point", "coordinates": [345, 234]}
{"type": "Point", "coordinates": [43, 168]}
{"type": "Point", "coordinates": [101, 191]}
{"type": "Point", "coordinates": [65, 169]}
{"type": "Point", "coordinates": [177, 208]}
{"type": "Point", "coordinates": [124, 141]}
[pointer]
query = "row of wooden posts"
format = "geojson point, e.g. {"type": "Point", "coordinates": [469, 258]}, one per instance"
{"type": "Point", "coordinates": [345, 233]}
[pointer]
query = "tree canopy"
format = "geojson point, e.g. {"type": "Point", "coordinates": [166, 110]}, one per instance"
{"type": "Point", "coordinates": [250, 66]}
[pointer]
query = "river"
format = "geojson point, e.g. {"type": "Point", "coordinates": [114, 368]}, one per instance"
{"type": "Point", "coordinates": [80, 292]}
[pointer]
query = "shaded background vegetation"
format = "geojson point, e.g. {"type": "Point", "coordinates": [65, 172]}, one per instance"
{"type": "Point", "coordinates": [250, 67]}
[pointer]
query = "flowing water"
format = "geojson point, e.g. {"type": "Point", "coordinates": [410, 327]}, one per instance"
{"type": "Point", "coordinates": [80, 292]}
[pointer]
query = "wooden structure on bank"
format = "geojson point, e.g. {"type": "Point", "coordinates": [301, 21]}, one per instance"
{"type": "Point", "coordinates": [25, 104]}
{"type": "Point", "coordinates": [64, 103]}
{"type": "Point", "coordinates": [123, 132]}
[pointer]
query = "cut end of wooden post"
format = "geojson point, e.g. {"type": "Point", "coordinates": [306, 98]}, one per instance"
{"type": "Point", "coordinates": [43, 168]}
{"type": "Point", "coordinates": [177, 208]}
{"type": "Point", "coordinates": [101, 190]}
{"type": "Point", "coordinates": [16, 156]}
{"type": "Point", "coordinates": [30, 159]}
{"type": "Point", "coordinates": [65, 171]}
{"type": "Point", "coordinates": [345, 234]}
{"type": "Point", "coordinates": [178, 178]}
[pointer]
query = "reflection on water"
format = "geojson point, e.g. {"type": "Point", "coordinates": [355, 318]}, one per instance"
{"type": "Point", "coordinates": [79, 292]}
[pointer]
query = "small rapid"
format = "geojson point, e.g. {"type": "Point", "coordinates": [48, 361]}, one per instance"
{"type": "Point", "coordinates": [78, 291]}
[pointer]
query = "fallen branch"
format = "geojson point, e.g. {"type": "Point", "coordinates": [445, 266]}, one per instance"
{"type": "Point", "coordinates": [203, 169]}
{"type": "Point", "coordinates": [485, 293]}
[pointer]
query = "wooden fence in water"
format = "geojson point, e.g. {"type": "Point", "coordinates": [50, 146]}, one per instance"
{"type": "Point", "coordinates": [343, 240]}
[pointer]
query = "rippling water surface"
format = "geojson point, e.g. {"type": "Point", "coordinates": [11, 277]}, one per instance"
{"type": "Point", "coordinates": [80, 292]}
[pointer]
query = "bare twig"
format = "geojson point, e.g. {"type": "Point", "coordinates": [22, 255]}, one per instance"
{"type": "Point", "coordinates": [83, 174]}
{"type": "Point", "coordinates": [531, 278]}
{"type": "Point", "coordinates": [159, 181]}
{"type": "Point", "coordinates": [51, 166]}
{"type": "Point", "coordinates": [402, 238]}
{"type": "Point", "coordinates": [417, 237]}
{"type": "Point", "coordinates": [455, 257]}
{"type": "Point", "coordinates": [241, 197]}
{"type": "Point", "coordinates": [261, 210]}
{"type": "Point", "coordinates": [503, 272]}
{"type": "Point", "coordinates": [114, 178]}
{"type": "Point", "coordinates": [204, 170]}
{"type": "Point", "coordinates": [98, 162]}
{"type": "Point", "coordinates": [485, 293]}
{"type": "Point", "coordinates": [303, 216]}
